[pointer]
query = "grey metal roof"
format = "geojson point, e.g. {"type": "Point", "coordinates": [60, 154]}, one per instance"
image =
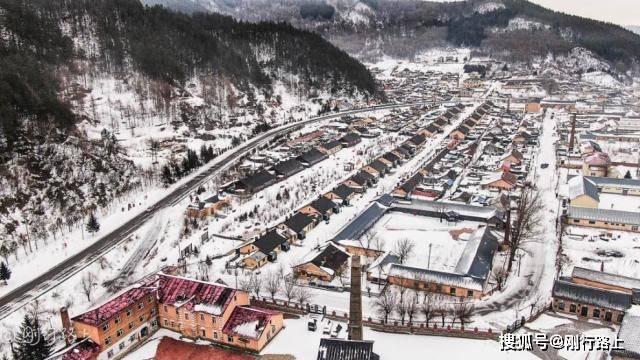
{"type": "Point", "coordinates": [437, 277]}
{"type": "Point", "coordinates": [630, 335]}
{"type": "Point", "coordinates": [613, 182]}
{"type": "Point", "coordinates": [477, 257]}
{"type": "Point", "coordinates": [606, 278]}
{"type": "Point", "coordinates": [610, 216]}
{"type": "Point", "coordinates": [485, 212]}
{"type": "Point", "coordinates": [339, 349]}
{"type": "Point", "coordinates": [361, 223]}
{"type": "Point", "coordinates": [592, 296]}
{"type": "Point", "coordinates": [580, 185]}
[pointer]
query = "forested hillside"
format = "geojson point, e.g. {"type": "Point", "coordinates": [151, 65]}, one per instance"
{"type": "Point", "coordinates": [80, 78]}
{"type": "Point", "coordinates": [369, 29]}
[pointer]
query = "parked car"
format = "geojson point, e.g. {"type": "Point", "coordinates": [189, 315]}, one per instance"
{"type": "Point", "coordinates": [312, 325]}
{"type": "Point", "coordinates": [544, 165]}
{"type": "Point", "coordinates": [336, 331]}
{"type": "Point", "coordinates": [326, 330]}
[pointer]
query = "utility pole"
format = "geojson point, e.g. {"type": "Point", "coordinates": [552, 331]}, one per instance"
{"type": "Point", "coordinates": [429, 259]}
{"type": "Point", "coordinates": [520, 262]}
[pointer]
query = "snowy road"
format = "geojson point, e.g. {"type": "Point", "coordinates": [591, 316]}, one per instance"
{"type": "Point", "coordinates": [532, 289]}
{"type": "Point", "coordinates": [44, 282]}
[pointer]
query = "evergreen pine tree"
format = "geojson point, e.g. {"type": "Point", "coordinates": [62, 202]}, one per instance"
{"type": "Point", "coordinates": [92, 224]}
{"type": "Point", "coordinates": [166, 177]}
{"type": "Point", "coordinates": [30, 343]}
{"type": "Point", "coordinates": [627, 175]}
{"type": "Point", "coordinates": [5, 272]}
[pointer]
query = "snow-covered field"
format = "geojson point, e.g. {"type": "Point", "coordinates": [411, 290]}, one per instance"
{"type": "Point", "coordinates": [429, 237]}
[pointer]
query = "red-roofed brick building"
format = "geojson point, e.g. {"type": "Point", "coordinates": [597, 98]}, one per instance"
{"type": "Point", "coordinates": [172, 349]}
{"type": "Point", "coordinates": [253, 327]}
{"type": "Point", "coordinates": [195, 309]}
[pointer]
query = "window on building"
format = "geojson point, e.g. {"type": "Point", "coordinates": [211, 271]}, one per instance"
{"type": "Point", "coordinates": [561, 305]}
{"type": "Point", "coordinates": [166, 323]}
{"type": "Point", "coordinates": [117, 320]}
{"type": "Point", "coordinates": [596, 313]}
{"type": "Point", "coordinates": [110, 354]}
{"type": "Point", "coordinates": [452, 291]}
{"type": "Point", "coordinates": [132, 338]}
{"type": "Point", "coordinates": [215, 335]}
{"type": "Point", "coordinates": [131, 325]}
{"type": "Point", "coordinates": [107, 340]}
{"type": "Point", "coordinates": [164, 307]}
{"type": "Point", "coordinates": [213, 319]}
{"type": "Point", "coordinates": [105, 327]}
{"type": "Point", "coordinates": [186, 316]}
{"type": "Point", "coordinates": [591, 222]}
{"type": "Point", "coordinates": [573, 308]}
{"type": "Point", "coordinates": [119, 333]}
{"type": "Point", "coordinates": [201, 317]}
{"type": "Point", "coordinates": [203, 333]}
{"type": "Point", "coordinates": [173, 324]}
{"type": "Point", "coordinates": [150, 298]}
{"type": "Point", "coordinates": [620, 316]}
{"type": "Point", "coordinates": [229, 338]}
{"type": "Point", "coordinates": [153, 311]}
{"type": "Point", "coordinates": [576, 220]}
{"type": "Point", "coordinates": [129, 312]}
{"type": "Point", "coordinates": [273, 328]}
{"type": "Point", "coordinates": [470, 293]}
{"type": "Point", "coordinates": [141, 318]}
{"type": "Point", "coordinates": [140, 306]}
{"type": "Point", "coordinates": [121, 345]}
{"type": "Point", "coordinates": [154, 323]}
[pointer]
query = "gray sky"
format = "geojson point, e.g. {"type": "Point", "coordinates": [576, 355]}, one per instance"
{"type": "Point", "coordinates": [621, 12]}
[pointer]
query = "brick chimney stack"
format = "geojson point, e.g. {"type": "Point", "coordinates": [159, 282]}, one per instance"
{"type": "Point", "coordinates": [66, 325]}
{"type": "Point", "coordinates": [355, 300]}
{"type": "Point", "coordinates": [572, 132]}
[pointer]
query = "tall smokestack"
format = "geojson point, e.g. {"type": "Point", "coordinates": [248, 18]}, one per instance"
{"type": "Point", "coordinates": [66, 325]}
{"type": "Point", "coordinates": [355, 300]}
{"type": "Point", "coordinates": [572, 132]}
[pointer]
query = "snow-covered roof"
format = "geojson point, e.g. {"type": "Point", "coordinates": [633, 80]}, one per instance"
{"type": "Point", "coordinates": [614, 182]}
{"type": "Point", "coordinates": [340, 349]}
{"type": "Point", "coordinates": [606, 278]}
{"type": "Point", "coordinates": [361, 223]}
{"type": "Point", "coordinates": [477, 257]}
{"type": "Point", "coordinates": [584, 294]}
{"type": "Point", "coordinates": [630, 335]}
{"type": "Point", "coordinates": [479, 212]}
{"type": "Point", "coordinates": [579, 185]}
{"type": "Point", "coordinates": [606, 215]}
{"type": "Point", "coordinates": [437, 277]}
{"type": "Point", "coordinates": [248, 322]}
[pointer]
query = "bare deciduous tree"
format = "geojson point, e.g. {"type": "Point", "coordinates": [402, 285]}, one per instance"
{"type": "Point", "coordinates": [87, 283]}
{"type": "Point", "coordinates": [429, 307]}
{"type": "Point", "coordinates": [401, 308]}
{"type": "Point", "coordinates": [403, 249]}
{"type": "Point", "coordinates": [499, 275]}
{"type": "Point", "coordinates": [386, 303]}
{"type": "Point", "coordinates": [303, 295]}
{"type": "Point", "coordinates": [462, 311]}
{"type": "Point", "coordinates": [412, 307]}
{"type": "Point", "coordinates": [290, 287]}
{"type": "Point", "coordinates": [272, 284]}
{"type": "Point", "coordinates": [528, 221]}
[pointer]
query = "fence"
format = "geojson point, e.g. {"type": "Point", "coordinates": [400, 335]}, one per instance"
{"type": "Point", "coordinates": [393, 326]}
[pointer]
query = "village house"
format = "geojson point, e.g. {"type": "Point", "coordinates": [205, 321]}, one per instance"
{"type": "Point", "coordinates": [459, 133]}
{"type": "Point", "coordinates": [616, 186]}
{"type": "Point", "coordinates": [331, 147]}
{"type": "Point", "coordinates": [603, 218]}
{"type": "Point", "coordinates": [321, 206]}
{"type": "Point", "coordinates": [323, 265]}
{"type": "Point", "coordinates": [440, 123]}
{"type": "Point", "coordinates": [608, 281]}
{"type": "Point", "coordinates": [596, 164]}
{"type": "Point", "coordinates": [311, 157]}
{"type": "Point", "coordinates": [405, 190]}
{"type": "Point", "coordinates": [256, 182]}
{"type": "Point", "coordinates": [583, 192]}
{"type": "Point", "coordinates": [342, 193]}
{"type": "Point", "coordinates": [268, 246]}
{"type": "Point", "coordinates": [430, 131]}
{"type": "Point", "coordinates": [469, 279]}
{"type": "Point", "coordinates": [361, 181]}
{"type": "Point", "coordinates": [208, 207]}
{"type": "Point", "coordinates": [629, 334]}
{"type": "Point", "coordinates": [416, 141]}
{"type": "Point", "coordinates": [590, 302]}
{"type": "Point", "coordinates": [376, 168]}
{"type": "Point", "coordinates": [392, 158]}
{"type": "Point", "coordinates": [300, 224]}
{"type": "Point", "coordinates": [514, 157]}
{"type": "Point", "coordinates": [288, 168]}
{"type": "Point", "coordinates": [503, 180]}
{"type": "Point", "coordinates": [350, 139]}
